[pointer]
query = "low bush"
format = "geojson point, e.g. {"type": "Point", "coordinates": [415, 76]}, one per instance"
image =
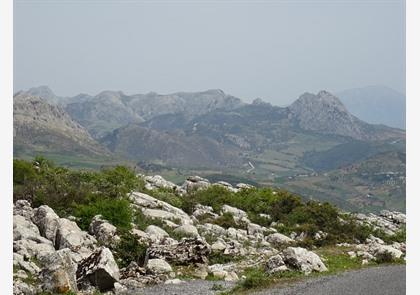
{"type": "Point", "coordinates": [81, 193]}
{"type": "Point", "coordinates": [116, 211]}
{"type": "Point", "coordinates": [220, 258]}
{"type": "Point", "coordinates": [384, 257]}
{"type": "Point", "coordinates": [129, 249]}
{"type": "Point", "coordinates": [225, 220]}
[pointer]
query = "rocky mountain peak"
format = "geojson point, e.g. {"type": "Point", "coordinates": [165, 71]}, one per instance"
{"type": "Point", "coordinates": [323, 99]}
{"type": "Point", "coordinates": [325, 113]}
{"type": "Point", "coordinates": [43, 91]}
{"type": "Point", "coordinates": [260, 101]}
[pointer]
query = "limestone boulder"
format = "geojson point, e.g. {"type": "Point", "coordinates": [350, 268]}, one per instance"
{"type": "Point", "coordinates": [187, 230]}
{"type": "Point", "coordinates": [105, 232]}
{"type": "Point", "coordinates": [303, 260]}
{"type": "Point", "coordinates": [278, 239]}
{"type": "Point", "coordinates": [47, 221]}
{"type": "Point", "coordinates": [158, 266]}
{"type": "Point", "coordinates": [59, 272]}
{"type": "Point", "coordinates": [99, 269]}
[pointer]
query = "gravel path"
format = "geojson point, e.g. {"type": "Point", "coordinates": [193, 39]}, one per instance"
{"type": "Point", "coordinates": [388, 280]}
{"type": "Point", "coordinates": [385, 280]}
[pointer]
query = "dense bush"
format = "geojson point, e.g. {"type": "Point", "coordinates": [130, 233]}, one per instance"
{"type": "Point", "coordinates": [384, 257]}
{"type": "Point", "coordinates": [116, 210]}
{"type": "Point", "coordinates": [79, 193]}
{"type": "Point", "coordinates": [87, 193]}
{"type": "Point", "coordinates": [226, 220]}
{"type": "Point", "coordinates": [129, 249]}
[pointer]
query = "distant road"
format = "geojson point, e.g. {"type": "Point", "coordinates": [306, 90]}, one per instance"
{"type": "Point", "coordinates": [386, 280]}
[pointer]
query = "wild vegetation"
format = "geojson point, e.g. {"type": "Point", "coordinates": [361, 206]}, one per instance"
{"type": "Point", "coordinates": [316, 226]}
{"type": "Point", "coordinates": [84, 194]}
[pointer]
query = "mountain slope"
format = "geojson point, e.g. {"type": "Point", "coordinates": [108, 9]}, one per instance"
{"type": "Point", "coordinates": [376, 104]}
{"type": "Point", "coordinates": [40, 126]}
{"type": "Point", "coordinates": [324, 113]}
{"type": "Point", "coordinates": [103, 113]}
{"type": "Point", "coordinates": [174, 149]}
{"type": "Point", "coordinates": [110, 110]}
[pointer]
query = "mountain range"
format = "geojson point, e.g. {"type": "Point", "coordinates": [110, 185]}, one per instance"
{"type": "Point", "coordinates": [210, 131]}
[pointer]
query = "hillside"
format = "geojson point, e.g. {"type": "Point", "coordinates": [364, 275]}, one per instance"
{"type": "Point", "coordinates": [112, 231]}
{"type": "Point", "coordinates": [325, 113]}
{"type": "Point", "coordinates": [39, 126]}
{"type": "Point", "coordinates": [369, 184]}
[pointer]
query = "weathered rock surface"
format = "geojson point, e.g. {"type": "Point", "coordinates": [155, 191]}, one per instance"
{"type": "Point", "coordinates": [187, 251]}
{"type": "Point", "coordinates": [104, 232]}
{"type": "Point", "coordinates": [99, 269]}
{"type": "Point", "coordinates": [303, 260]}
{"type": "Point", "coordinates": [157, 181]}
{"type": "Point", "coordinates": [278, 239]}
{"type": "Point", "coordinates": [69, 235]}
{"type": "Point", "coordinates": [275, 264]}
{"type": "Point", "coordinates": [195, 183]}
{"type": "Point", "coordinates": [47, 221]}
{"type": "Point", "coordinates": [23, 208]}
{"type": "Point", "coordinates": [154, 208]}
{"type": "Point", "coordinates": [59, 272]}
{"type": "Point", "coordinates": [158, 266]}
{"type": "Point", "coordinates": [187, 230]}
{"type": "Point", "coordinates": [156, 233]}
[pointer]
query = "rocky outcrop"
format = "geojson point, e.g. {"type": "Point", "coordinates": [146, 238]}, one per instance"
{"type": "Point", "coordinates": [157, 182]}
{"type": "Point", "coordinates": [99, 269]}
{"type": "Point", "coordinates": [187, 230]}
{"type": "Point", "coordinates": [187, 251]}
{"type": "Point", "coordinates": [154, 208]}
{"type": "Point", "coordinates": [195, 183]}
{"type": "Point", "coordinates": [303, 260]}
{"type": "Point", "coordinates": [104, 232]}
{"type": "Point", "coordinates": [158, 266]}
{"type": "Point", "coordinates": [389, 222]}
{"type": "Point", "coordinates": [156, 233]}
{"type": "Point", "coordinates": [376, 249]}
{"type": "Point", "coordinates": [59, 272]}
{"type": "Point", "coordinates": [278, 239]}
{"type": "Point", "coordinates": [47, 221]}
{"type": "Point", "coordinates": [62, 258]}
{"type": "Point", "coordinates": [275, 264]}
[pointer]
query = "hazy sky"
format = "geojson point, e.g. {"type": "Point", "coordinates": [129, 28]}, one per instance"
{"type": "Point", "coordinates": [275, 50]}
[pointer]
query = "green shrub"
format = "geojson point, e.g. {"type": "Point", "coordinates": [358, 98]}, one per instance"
{"type": "Point", "coordinates": [399, 236]}
{"type": "Point", "coordinates": [220, 258]}
{"type": "Point", "coordinates": [129, 249]}
{"type": "Point", "coordinates": [142, 221]}
{"type": "Point", "coordinates": [384, 257]}
{"type": "Point", "coordinates": [225, 220]}
{"type": "Point", "coordinates": [116, 211]}
{"type": "Point", "coordinates": [72, 192]}
{"type": "Point", "coordinates": [167, 196]}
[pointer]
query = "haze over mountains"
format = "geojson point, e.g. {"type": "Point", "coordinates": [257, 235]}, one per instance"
{"type": "Point", "coordinates": [213, 132]}
{"type": "Point", "coordinates": [376, 104]}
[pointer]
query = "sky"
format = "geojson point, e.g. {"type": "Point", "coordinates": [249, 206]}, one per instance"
{"type": "Point", "coordinates": [272, 49]}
